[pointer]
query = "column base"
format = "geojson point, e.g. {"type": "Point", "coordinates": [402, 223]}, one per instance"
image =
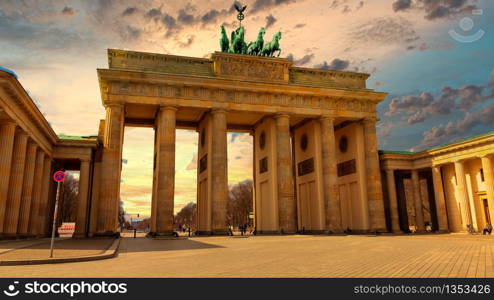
{"type": "Point", "coordinates": [267, 232]}
{"type": "Point", "coordinates": [162, 234]}
{"type": "Point", "coordinates": [314, 232]}
{"type": "Point", "coordinates": [203, 232]}
{"type": "Point", "coordinates": [107, 234]}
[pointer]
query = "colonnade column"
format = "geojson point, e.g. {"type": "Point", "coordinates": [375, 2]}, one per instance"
{"type": "Point", "coordinates": [165, 168]}
{"type": "Point", "coordinates": [82, 203]}
{"type": "Point", "coordinates": [442, 218]}
{"type": "Point", "coordinates": [219, 172]}
{"type": "Point", "coordinates": [15, 185]}
{"type": "Point", "coordinates": [111, 169]}
{"type": "Point", "coordinates": [330, 176]}
{"type": "Point", "coordinates": [27, 190]}
{"type": "Point", "coordinates": [373, 176]}
{"type": "Point", "coordinates": [417, 199]}
{"type": "Point", "coordinates": [461, 186]}
{"type": "Point", "coordinates": [7, 134]}
{"type": "Point", "coordinates": [36, 197]}
{"type": "Point", "coordinates": [488, 169]}
{"type": "Point", "coordinates": [393, 200]}
{"type": "Point", "coordinates": [286, 196]}
{"type": "Point", "coordinates": [45, 195]}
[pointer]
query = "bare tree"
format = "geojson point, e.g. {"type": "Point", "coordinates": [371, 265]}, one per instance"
{"type": "Point", "coordinates": [69, 196]}
{"type": "Point", "coordinates": [186, 216]}
{"type": "Point", "coordinates": [240, 203]}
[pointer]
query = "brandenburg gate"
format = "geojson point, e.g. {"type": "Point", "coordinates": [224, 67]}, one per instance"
{"type": "Point", "coordinates": [316, 165]}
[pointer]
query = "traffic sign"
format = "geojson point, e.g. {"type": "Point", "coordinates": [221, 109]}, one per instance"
{"type": "Point", "coordinates": [59, 176]}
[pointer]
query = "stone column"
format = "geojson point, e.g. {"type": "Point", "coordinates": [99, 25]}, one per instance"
{"type": "Point", "coordinates": [287, 204]}
{"type": "Point", "coordinates": [373, 176]}
{"type": "Point", "coordinates": [34, 218]}
{"type": "Point", "coordinates": [461, 185]}
{"type": "Point", "coordinates": [15, 184]}
{"type": "Point", "coordinates": [330, 176]}
{"type": "Point", "coordinates": [417, 199]}
{"type": "Point", "coordinates": [82, 201]}
{"type": "Point", "coordinates": [111, 169]}
{"type": "Point", "coordinates": [488, 168]}
{"type": "Point", "coordinates": [45, 195]}
{"type": "Point", "coordinates": [442, 215]}
{"type": "Point", "coordinates": [165, 168]}
{"type": "Point", "coordinates": [27, 190]}
{"type": "Point", "coordinates": [393, 201]}
{"type": "Point", "coordinates": [7, 133]}
{"type": "Point", "coordinates": [219, 172]}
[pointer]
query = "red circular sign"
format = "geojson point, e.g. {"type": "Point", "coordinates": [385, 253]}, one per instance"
{"type": "Point", "coordinates": [59, 176]}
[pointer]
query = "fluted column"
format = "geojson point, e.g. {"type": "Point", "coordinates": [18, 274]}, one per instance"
{"type": "Point", "coordinates": [165, 168]}
{"type": "Point", "coordinates": [417, 200]}
{"type": "Point", "coordinates": [7, 133]}
{"type": "Point", "coordinates": [461, 185]}
{"type": "Point", "coordinates": [82, 203]}
{"type": "Point", "coordinates": [287, 204]}
{"type": "Point", "coordinates": [45, 195]}
{"type": "Point", "coordinates": [15, 184]}
{"type": "Point", "coordinates": [27, 190]}
{"type": "Point", "coordinates": [219, 172]}
{"type": "Point", "coordinates": [442, 216]}
{"type": "Point", "coordinates": [373, 176]}
{"type": "Point", "coordinates": [330, 176]}
{"type": "Point", "coordinates": [393, 200]}
{"type": "Point", "coordinates": [488, 168]}
{"type": "Point", "coordinates": [34, 218]}
{"type": "Point", "coordinates": [111, 169]}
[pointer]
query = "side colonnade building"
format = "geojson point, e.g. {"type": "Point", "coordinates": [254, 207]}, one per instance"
{"type": "Point", "coordinates": [316, 164]}
{"type": "Point", "coordinates": [449, 187]}
{"type": "Point", "coordinates": [30, 151]}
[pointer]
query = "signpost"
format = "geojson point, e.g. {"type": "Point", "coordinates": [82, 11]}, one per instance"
{"type": "Point", "coordinates": [59, 177]}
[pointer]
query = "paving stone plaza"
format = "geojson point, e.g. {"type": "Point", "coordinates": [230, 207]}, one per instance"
{"type": "Point", "coordinates": [447, 255]}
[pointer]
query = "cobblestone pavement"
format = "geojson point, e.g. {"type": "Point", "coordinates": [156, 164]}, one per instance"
{"type": "Point", "coordinates": [455, 255]}
{"type": "Point", "coordinates": [64, 248]}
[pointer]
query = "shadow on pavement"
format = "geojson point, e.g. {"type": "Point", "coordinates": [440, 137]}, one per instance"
{"type": "Point", "coordinates": [143, 244]}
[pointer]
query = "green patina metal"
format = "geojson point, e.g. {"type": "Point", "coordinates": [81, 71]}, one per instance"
{"type": "Point", "coordinates": [76, 138]}
{"type": "Point", "coordinates": [238, 45]}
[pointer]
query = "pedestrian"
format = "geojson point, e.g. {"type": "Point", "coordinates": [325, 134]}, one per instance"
{"type": "Point", "coordinates": [487, 229]}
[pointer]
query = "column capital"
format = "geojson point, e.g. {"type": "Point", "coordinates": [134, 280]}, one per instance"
{"type": "Point", "coordinates": [486, 155]}
{"type": "Point", "coordinates": [114, 104]}
{"type": "Point", "coordinates": [218, 111]}
{"type": "Point", "coordinates": [168, 107]}
{"type": "Point", "coordinates": [371, 119]}
{"type": "Point", "coordinates": [281, 115]}
{"type": "Point", "coordinates": [7, 122]}
{"type": "Point", "coordinates": [327, 118]}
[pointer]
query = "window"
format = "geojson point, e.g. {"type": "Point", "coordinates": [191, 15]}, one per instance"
{"type": "Point", "coordinates": [482, 175]}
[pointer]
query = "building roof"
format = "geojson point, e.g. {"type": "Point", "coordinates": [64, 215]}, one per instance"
{"type": "Point", "coordinates": [77, 138]}
{"type": "Point", "coordinates": [8, 71]}
{"type": "Point", "coordinates": [438, 146]}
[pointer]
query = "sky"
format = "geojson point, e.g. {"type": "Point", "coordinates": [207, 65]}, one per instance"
{"type": "Point", "coordinates": [433, 57]}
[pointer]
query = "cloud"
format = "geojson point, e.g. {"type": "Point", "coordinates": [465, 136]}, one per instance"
{"type": "Point", "coordinates": [261, 5]}
{"type": "Point", "coordinates": [436, 9]}
{"type": "Point", "coordinates": [153, 13]}
{"type": "Point", "coordinates": [335, 65]}
{"type": "Point", "coordinates": [455, 130]}
{"type": "Point", "coordinates": [399, 5]}
{"type": "Point", "coordinates": [302, 61]}
{"type": "Point", "coordinates": [192, 164]}
{"type": "Point", "coordinates": [270, 20]}
{"type": "Point", "coordinates": [384, 31]}
{"type": "Point", "coordinates": [416, 108]}
{"type": "Point", "coordinates": [68, 11]}
{"type": "Point", "coordinates": [129, 11]}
